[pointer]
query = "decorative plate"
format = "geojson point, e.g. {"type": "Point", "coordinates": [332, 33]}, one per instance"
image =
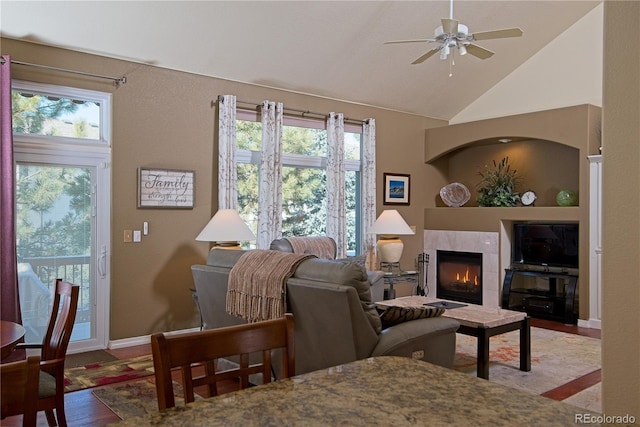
{"type": "Point", "coordinates": [455, 194]}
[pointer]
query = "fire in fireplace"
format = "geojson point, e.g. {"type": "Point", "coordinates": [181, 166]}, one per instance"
{"type": "Point", "coordinates": [459, 276]}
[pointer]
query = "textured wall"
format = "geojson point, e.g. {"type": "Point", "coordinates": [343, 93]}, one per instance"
{"type": "Point", "coordinates": [621, 203]}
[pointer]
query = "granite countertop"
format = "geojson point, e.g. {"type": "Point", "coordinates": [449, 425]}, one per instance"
{"type": "Point", "coordinates": [381, 391]}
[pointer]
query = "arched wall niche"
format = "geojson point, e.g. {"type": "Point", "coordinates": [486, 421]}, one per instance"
{"type": "Point", "coordinates": [543, 166]}
{"type": "Point", "coordinates": [577, 127]}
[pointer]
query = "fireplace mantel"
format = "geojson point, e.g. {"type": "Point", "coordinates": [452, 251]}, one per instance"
{"type": "Point", "coordinates": [490, 219]}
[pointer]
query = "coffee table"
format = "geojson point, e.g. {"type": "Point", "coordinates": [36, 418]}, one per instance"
{"type": "Point", "coordinates": [482, 323]}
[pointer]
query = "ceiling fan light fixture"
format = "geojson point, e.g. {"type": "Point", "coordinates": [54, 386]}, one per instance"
{"type": "Point", "coordinates": [444, 52]}
{"type": "Point", "coordinates": [462, 49]}
{"type": "Point", "coordinates": [463, 32]}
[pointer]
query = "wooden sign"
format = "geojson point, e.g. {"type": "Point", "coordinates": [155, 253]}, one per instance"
{"type": "Point", "coordinates": [166, 188]}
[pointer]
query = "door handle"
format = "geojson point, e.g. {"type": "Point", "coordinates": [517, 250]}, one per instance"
{"type": "Point", "coordinates": [102, 262]}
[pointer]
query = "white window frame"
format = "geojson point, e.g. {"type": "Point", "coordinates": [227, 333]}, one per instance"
{"type": "Point", "coordinates": [73, 93]}
{"type": "Point", "coordinates": [50, 149]}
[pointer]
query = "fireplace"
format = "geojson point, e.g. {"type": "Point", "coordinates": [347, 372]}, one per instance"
{"type": "Point", "coordinates": [459, 276]}
{"type": "Point", "coordinates": [486, 243]}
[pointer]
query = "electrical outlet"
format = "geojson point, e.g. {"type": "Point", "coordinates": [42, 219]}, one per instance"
{"type": "Point", "coordinates": [128, 236]}
{"type": "Point", "coordinates": [418, 354]}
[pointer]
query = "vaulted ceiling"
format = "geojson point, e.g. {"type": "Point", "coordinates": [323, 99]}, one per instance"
{"type": "Point", "coordinates": [332, 49]}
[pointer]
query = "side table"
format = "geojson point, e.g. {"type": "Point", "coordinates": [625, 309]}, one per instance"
{"type": "Point", "coordinates": [392, 278]}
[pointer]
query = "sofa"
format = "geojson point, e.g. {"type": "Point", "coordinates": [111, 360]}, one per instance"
{"type": "Point", "coordinates": [335, 319]}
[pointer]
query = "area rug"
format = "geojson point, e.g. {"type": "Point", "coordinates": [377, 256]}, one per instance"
{"type": "Point", "coordinates": [108, 373]}
{"type": "Point", "coordinates": [135, 398]}
{"type": "Point", "coordinates": [556, 359]}
{"type": "Point", "coordinates": [87, 358]}
{"type": "Point", "coordinates": [589, 398]}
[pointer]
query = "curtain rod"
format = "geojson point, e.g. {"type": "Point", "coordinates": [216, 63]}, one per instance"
{"type": "Point", "coordinates": [301, 112]}
{"type": "Point", "coordinates": [116, 80]}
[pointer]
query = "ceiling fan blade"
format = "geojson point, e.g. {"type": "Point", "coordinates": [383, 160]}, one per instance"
{"type": "Point", "coordinates": [411, 41]}
{"type": "Point", "coordinates": [497, 34]}
{"type": "Point", "coordinates": [478, 52]}
{"type": "Point", "coordinates": [449, 26]}
{"type": "Point", "coordinates": [426, 56]}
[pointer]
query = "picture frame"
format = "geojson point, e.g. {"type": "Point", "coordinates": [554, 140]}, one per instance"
{"type": "Point", "coordinates": [166, 188]}
{"type": "Point", "coordinates": [397, 190]}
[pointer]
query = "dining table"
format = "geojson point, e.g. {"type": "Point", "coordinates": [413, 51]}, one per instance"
{"type": "Point", "coordinates": [10, 335]}
{"type": "Point", "coordinates": [378, 391]}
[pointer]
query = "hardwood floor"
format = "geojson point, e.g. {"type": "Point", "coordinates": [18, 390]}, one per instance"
{"type": "Point", "coordinates": [84, 409]}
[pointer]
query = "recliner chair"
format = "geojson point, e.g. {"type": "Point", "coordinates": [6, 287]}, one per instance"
{"type": "Point", "coordinates": [336, 321]}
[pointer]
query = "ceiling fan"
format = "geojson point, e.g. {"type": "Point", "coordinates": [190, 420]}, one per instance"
{"type": "Point", "coordinates": [453, 35]}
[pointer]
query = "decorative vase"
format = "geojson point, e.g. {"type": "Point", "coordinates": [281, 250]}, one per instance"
{"type": "Point", "coordinates": [567, 198]}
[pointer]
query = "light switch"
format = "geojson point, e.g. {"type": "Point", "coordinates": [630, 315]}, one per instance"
{"type": "Point", "coordinates": [137, 236]}
{"type": "Point", "coordinates": [128, 236]}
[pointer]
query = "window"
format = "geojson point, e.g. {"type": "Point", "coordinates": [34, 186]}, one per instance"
{"type": "Point", "coordinates": [46, 113]}
{"type": "Point", "coordinates": [304, 175]}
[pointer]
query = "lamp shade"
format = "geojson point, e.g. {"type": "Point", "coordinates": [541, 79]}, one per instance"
{"type": "Point", "coordinates": [226, 226]}
{"type": "Point", "coordinates": [390, 223]}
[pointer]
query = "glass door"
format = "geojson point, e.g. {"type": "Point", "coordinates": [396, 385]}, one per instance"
{"type": "Point", "coordinates": [58, 238]}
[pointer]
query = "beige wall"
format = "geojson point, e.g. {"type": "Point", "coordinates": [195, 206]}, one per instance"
{"type": "Point", "coordinates": [621, 204]}
{"type": "Point", "coordinates": [164, 118]}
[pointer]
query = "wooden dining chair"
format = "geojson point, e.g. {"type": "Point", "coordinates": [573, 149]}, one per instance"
{"type": "Point", "coordinates": [19, 385]}
{"type": "Point", "coordinates": [53, 350]}
{"type": "Point", "coordinates": [199, 350]}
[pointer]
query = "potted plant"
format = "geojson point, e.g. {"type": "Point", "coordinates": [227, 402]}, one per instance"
{"type": "Point", "coordinates": [498, 185]}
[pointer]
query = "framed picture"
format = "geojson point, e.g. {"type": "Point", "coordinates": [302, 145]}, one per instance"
{"type": "Point", "coordinates": [396, 189]}
{"type": "Point", "coordinates": [166, 188]}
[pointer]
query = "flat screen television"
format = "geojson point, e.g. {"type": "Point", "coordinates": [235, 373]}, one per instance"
{"type": "Point", "coordinates": [552, 245]}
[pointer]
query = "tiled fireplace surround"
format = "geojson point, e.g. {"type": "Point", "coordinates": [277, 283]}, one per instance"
{"type": "Point", "coordinates": [467, 241]}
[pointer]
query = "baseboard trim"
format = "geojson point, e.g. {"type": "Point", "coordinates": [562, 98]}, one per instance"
{"type": "Point", "coordinates": [145, 339]}
{"type": "Point", "coordinates": [591, 323]}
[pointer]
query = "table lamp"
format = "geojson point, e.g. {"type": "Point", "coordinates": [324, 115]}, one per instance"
{"type": "Point", "coordinates": [389, 226]}
{"type": "Point", "coordinates": [226, 228]}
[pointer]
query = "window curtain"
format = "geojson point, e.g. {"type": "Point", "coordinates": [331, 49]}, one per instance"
{"type": "Point", "coordinates": [368, 194]}
{"type": "Point", "coordinates": [336, 210]}
{"type": "Point", "coordinates": [227, 173]}
{"type": "Point", "coordinates": [10, 301]}
{"type": "Point", "coordinates": [270, 176]}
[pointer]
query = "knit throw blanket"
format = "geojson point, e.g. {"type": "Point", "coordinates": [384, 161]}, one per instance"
{"type": "Point", "coordinates": [258, 284]}
{"type": "Point", "coordinates": [320, 246]}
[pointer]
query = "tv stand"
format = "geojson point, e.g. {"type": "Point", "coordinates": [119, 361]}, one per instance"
{"type": "Point", "coordinates": [541, 294]}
